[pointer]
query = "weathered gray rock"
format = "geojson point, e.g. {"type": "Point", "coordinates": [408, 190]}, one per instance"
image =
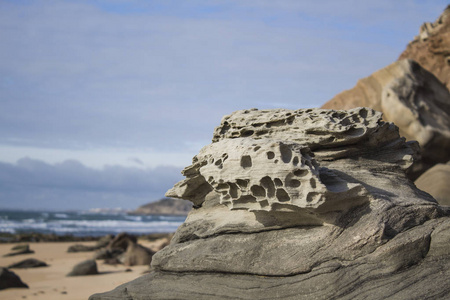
{"type": "Point", "coordinates": [101, 243]}
{"type": "Point", "coordinates": [19, 250]}
{"type": "Point", "coordinates": [349, 224]}
{"type": "Point", "coordinates": [28, 263]}
{"type": "Point", "coordinates": [436, 182]}
{"type": "Point", "coordinates": [126, 249]}
{"type": "Point", "coordinates": [9, 279]}
{"type": "Point", "coordinates": [87, 267]}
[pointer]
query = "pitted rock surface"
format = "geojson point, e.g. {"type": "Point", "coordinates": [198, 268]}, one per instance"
{"type": "Point", "coordinates": [348, 223]}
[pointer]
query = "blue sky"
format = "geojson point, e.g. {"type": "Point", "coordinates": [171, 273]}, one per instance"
{"type": "Point", "coordinates": [140, 85]}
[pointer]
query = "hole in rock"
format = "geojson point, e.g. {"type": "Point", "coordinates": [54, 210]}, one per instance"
{"type": "Point", "coordinates": [218, 163]}
{"type": "Point", "coordinates": [300, 172]}
{"type": "Point", "coordinates": [268, 184]}
{"type": "Point", "coordinates": [246, 162]}
{"type": "Point", "coordinates": [363, 112]}
{"type": "Point", "coordinates": [247, 133]}
{"type": "Point", "coordinates": [222, 186]}
{"type": "Point", "coordinates": [270, 155]}
{"type": "Point", "coordinates": [295, 161]}
{"type": "Point", "coordinates": [210, 179]}
{"type": "Point", "coordinates": [286, 153]}
{"type": "Point", "coordinates": [258, 191]}
{"type": "Point", "coordinates": [242, 183]}
{"type": "Point", "coordinates": [312, 181]}
{"type": "Point", "coordinates": [278, 182]}
{"type": "Point", "coordinates": [256, 148]}
{"type": "Point", "coordinates": [313, 197]}
{"type": "Point", "coordinates": [233, 190]}
{"type": "Point", "coordinates": [282, 196]}
{"type": "Point", "coordinates": [293, 183]}
{"type": "Point", "coordinates": [245, 199]}
{"type": "Point", "coordinates": [264, 203]}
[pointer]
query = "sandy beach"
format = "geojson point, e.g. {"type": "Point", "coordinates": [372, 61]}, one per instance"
{"type": "Point", "coordinates": [51, 282]}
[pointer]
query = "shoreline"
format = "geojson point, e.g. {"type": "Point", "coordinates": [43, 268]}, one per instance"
{"type": "Point", "coordinates": [36, 237]}
{"type": "Point", "coordinates": [51, 282]}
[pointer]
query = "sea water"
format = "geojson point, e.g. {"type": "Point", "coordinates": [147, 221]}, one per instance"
{"type": "Point", "coordinates": [85, 223]}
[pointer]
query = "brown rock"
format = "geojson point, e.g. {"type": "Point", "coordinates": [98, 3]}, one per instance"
{"type": "Point", "coordinates": [431, 48]}
{"type": "Point", "coordinates": [435, 181]}
{"type": "Point", "coordinates": [412, 98]}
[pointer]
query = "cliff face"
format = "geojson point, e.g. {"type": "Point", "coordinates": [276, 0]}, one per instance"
{"type": "Point", "coordinates": [164, 206]}
{"type": "Point", "coordinates": [431, 48]}
{"type": "Point", "coordinates": [413, 93]}
{"type": "Point", "coordinates": [304, 204]}
{"type": "Point", "coordinates": [412, 98]}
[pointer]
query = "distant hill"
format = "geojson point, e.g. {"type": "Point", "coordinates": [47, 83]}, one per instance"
{"type": "Point", "coordinates": [165, 206]}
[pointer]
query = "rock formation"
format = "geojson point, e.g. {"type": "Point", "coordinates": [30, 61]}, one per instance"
{"type": "Point", "coordinates": [413, 99]}
{"type": "Point", "coordinates": [101, 243]}
{"type": "Point", "coordinates": [304, 204]}
{"type": "Point", "coordinates": [28, 263]}
{"type": "Point", "coordinates": [9, 279]}
{"type": "Point", "coordinates": [165, 206]}
{"type": "Point", "coordinates": [19, 250]}
{"type": "Point", "coordinates": [436, 182]}
{"type": "Point", "coordinates": [125, 248]}
{"type": "Point", "coordinates": [87, 267]}
{"type": "Point", "coordinates": [431, 48]}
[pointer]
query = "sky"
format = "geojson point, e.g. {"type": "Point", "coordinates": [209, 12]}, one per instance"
{"type": "Point", "coordinates": [103, 102]}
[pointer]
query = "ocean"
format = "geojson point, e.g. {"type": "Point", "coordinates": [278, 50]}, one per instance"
{"type": "Point", "coordinates": [85, 223]}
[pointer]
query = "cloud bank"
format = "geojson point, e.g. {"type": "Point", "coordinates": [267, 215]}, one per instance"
{"type": "Point", "coordinates": [34, 184]}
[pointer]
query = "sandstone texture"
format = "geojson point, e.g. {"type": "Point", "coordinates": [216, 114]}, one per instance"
{"type": "Point", "coordinates": [431, 48]}
{"type": "Point", "coordinates": [412, 98]}
{"type": "Point", "coordinates": [436, 182]}
{"type": "Point", "coordinates": [302, 204]}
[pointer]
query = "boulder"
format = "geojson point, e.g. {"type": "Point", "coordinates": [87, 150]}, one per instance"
{"type": "Point", "coordinates": [87, 267]}
{"type": "Point", "coordinates": [125, 249]}
{"type": "Point", "coordinates": [302, 204]}
{"type": "Point", "coordinates": [436, 182]}
{"type": "Point", "coordinates": [28, 263]}
{"type": "Point", "coordinates": [431, 48]}
{"type": "Point", "coordinates": [101, 243]}
{"type": "Point", "coordinates": [9, 279]}
{"type": "Point", "coordinates": [412, 98]}
{"type": "Point", "coordinates": [19, 250]}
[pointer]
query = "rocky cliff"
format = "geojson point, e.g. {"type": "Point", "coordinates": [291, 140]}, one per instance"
{"type": "Point", "coordinates": [431, 48]}
{"type": "Point", "coordinates": [413, 93]}
{"type": "Point", "coordinates": [304, 204]}
{"type": "Point", "coordinates": [166, 206]}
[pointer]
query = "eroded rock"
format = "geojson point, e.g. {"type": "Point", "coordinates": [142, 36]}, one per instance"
{"type": "Point", "coordinates": [365, 233]}
{"type": "Point", "coordinates": [431, 48]}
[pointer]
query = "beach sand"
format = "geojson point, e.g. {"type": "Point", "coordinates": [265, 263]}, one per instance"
{"type": "Point", "coordinates": [51, 282]}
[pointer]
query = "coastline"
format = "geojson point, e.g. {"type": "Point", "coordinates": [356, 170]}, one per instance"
{"type": "Point", "coordinates": [51, 282]}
